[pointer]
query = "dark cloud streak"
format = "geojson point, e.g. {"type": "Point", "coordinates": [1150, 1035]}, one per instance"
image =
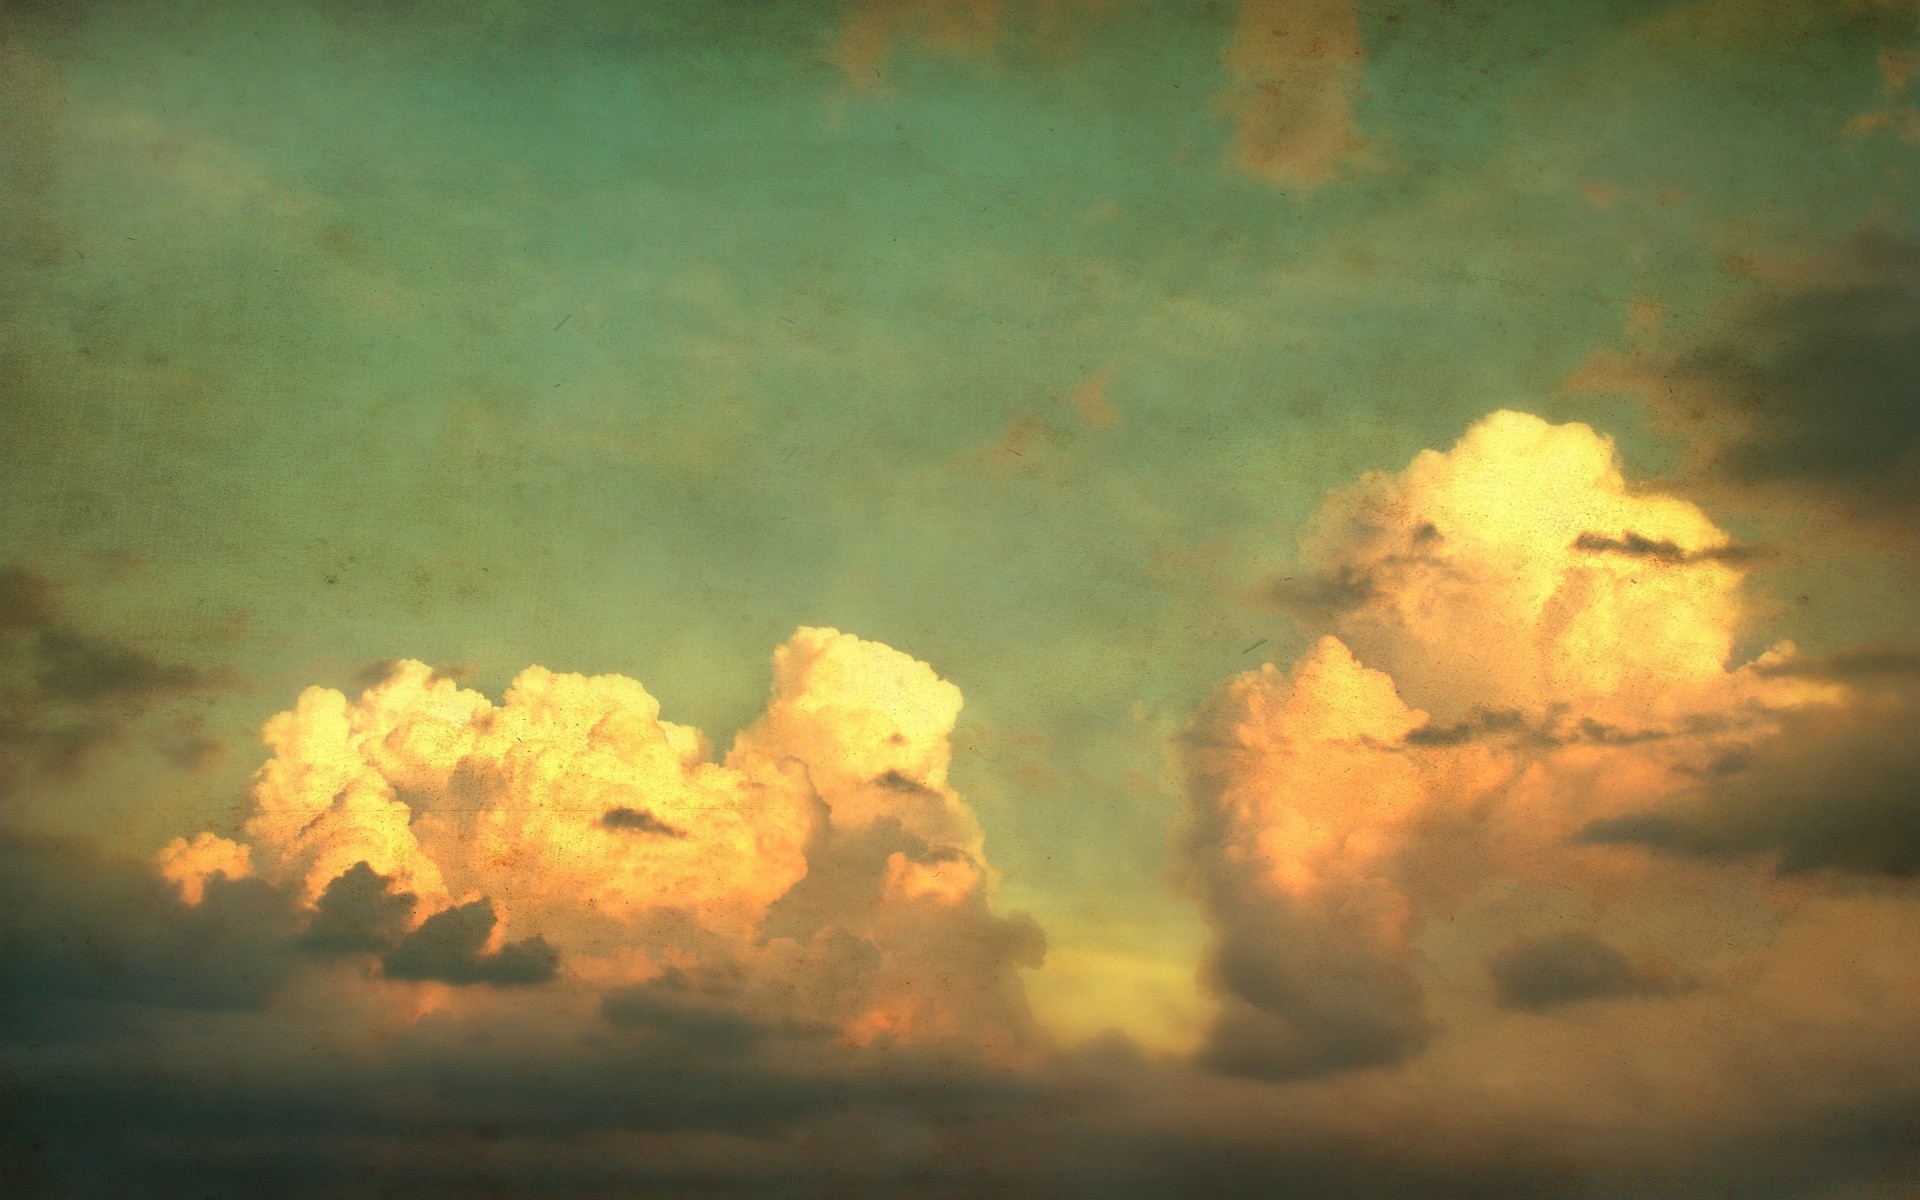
{"type": "Point", "coordinates": [1660, 550]}
{"type": "Point", "coordinates": [1565, 969]}
{"type": "Point", "coordinates": [1814, 392]}
{"type": "Point", "coordinates": [1837, 788]}
{"type": "Point", "coordinates": [66, 692]}
{"type": "Point", "coordinates": [638, 820]}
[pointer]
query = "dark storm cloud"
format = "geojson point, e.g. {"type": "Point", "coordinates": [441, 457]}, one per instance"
{"type": "Point", "coordinates": [186, 744]}
{"type": "Point", "coordinates": [86, 939]}
{"type": "Point", "coordinates": [1838, 788]}
{"type": "Point", "coordinates": [516, 1110]}
{"type": "Point", "coordinates": [358, 913]}
{"type": "Point", "coordinates": [65, 692]}
{"type": "Point", "coordinates": [373, 673]}
{"type": "Point", "coordinates": [519, 1107]}
{"type": "Point", "coordinates": [449, 947]}
{"type": "Point", "coordinates": [700, 1013]}
{"type": "Point", "coordinates": [1567, 968]}
{"type": "Point", "coordinates": [1353, 1014]}
{"type": "Point", "coordinates": [1814, 387]}
{"type": "Point", "coordinates": [690, 1087]}
{"type": "Point", "coordinates": [728, 1012]}
{"type": "Point", "coordinates": [1834, 391]}
{"type": "Point", "coordinates": [1859, 664]}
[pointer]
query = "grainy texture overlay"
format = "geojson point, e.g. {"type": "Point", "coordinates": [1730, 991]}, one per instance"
{"type": "Point", "coordinates": [1003, 598]}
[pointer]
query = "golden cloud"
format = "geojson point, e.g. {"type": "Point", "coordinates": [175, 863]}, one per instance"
{"type": "Point", "coordinates": [572, 817]}
{"type": "Point", "coordinates": [1517, 647]}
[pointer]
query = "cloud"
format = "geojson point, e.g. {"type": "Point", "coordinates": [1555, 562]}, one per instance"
{"type": "Point", "coordinates": [1090, 402]}
{"type": "Point", "coordinates": [1903, 123]}
{"type": "Point", "coordinates": [872, 31]}
{"type": "Point", "coordinates": [890, 988]}
{"type": "Point", "coordinates": [863, 1030]}
{"type": "Point", "coordinates": [1660, 550]}
{"type": "Point", "coordinates": [1567, 968]}
{"type": "Point", "coordinates": [430, 962]}
{"type": "Point", "coordinates": [1322, 597]}
{"type": "Point", "coordinates": [66, 693]}
{"type": "Point", "coordinates": [87, 941]}
{"type": "Point", "coordinates": [1899, 67]}
{"type": "Point", "coordinates": [1511, 573]}
{"type": "Point", "coordinates": [570, 831]}
{"type": "Point", "coordinates": [1807, 393]}
{"type": "Point", "coordinates": [1296, 71]}
{"type": "Point", "coordinates": [873, 28]}
{"type": "Point", "coordinates": [450, 947]}
{"type": "Point", "coordinates": [189, 864]}
{"type": "Point", "coordinates": [1516, 648]}
{"type": "Point", "coordinates": [802, 989]}
{"type": "Point", "coordinates": [358, 913]}
{"type": "Point", "coordinates": [1837, 787]}
{"type": "Point", "coordinates": [1292, 804]}
{"type": "Point", "coordinates": [639, 820]}
{"type": "Point", "coordinates": [1027, 444]}
{"type": "Point", "coordinates": [829, 942]}
{"type": "Point", "coordinates": [1050, 446]}
{"type": "Point", "coordinates": [1789, 1085]}
{"type": "Point", "coordinates": [1853, 664]}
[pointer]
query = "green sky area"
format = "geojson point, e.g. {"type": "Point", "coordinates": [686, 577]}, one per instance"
{"type": "Point", "coordinates": [628, 338]}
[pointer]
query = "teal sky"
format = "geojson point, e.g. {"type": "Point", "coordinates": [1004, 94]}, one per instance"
{"type": "Point", "coordinates": [628, 338]}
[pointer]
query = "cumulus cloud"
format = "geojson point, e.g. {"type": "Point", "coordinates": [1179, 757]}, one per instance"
{"type": "Point", "coordinates": [189, 863]}
{"type": "Point", "coordinates": [1520, 657]}
{"type": "Point", "coordinates": [570, 830]}
{"type": "Point", "coordinates": [430, 925]}
{"type": "Point", "coordinates": [1296, 71]}
{"type": "Point", "coordinates": [555, 944]}
{"type": "Point", "coordinates": [431, 900]}
{"type": "Point", "coordinates": [1295, 811]}
{"type": "Point", "coordinates": [1520, 572]}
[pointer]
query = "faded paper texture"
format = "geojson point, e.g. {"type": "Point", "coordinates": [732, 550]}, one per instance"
{"type": "Point", "coordinates": [962, 598]}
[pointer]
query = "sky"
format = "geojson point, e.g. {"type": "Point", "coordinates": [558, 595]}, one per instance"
{"type": "Point", "coordinates": [960, 597]}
